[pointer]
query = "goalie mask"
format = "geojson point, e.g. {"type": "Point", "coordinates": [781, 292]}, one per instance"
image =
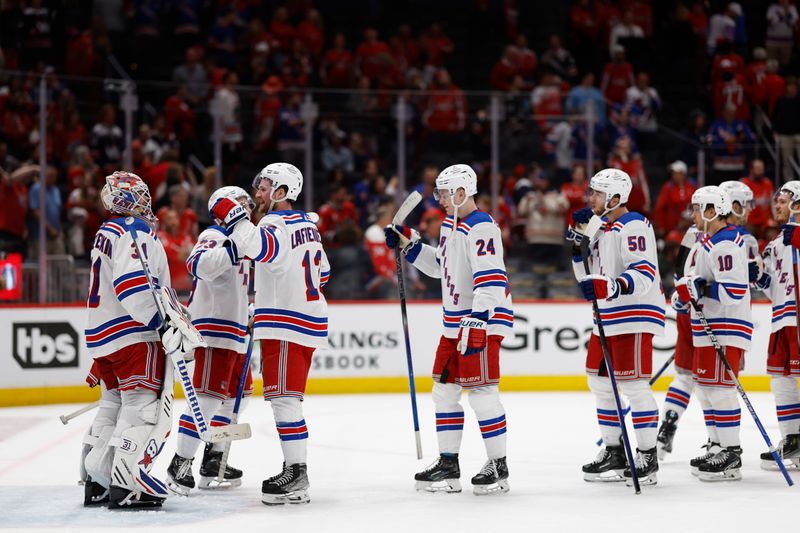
{"type": "Point", "coordinates": [126, 194]}
{"type": "Point", "coordinates": [281, 175]}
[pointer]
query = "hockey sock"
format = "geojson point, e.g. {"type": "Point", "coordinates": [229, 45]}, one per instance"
{"type": "Point", "coordinates": [225, 415]}
{"type": "Point", "coordinates": [708, 412]}
{"type": "Point", "coordinates": [188, 439]}
{"type": "Point", "coordinates": [787, 403]}
{"type": "Point", "coordinates": [449, 416]}
{"type": "Point", "coordinates": [485, 401]}
{"type": "Point", "coordinates": [292, 428]}
{"type": "Point", "coordinates": [644, 411]}
{"type": "Point", "coordinates": [678, 394]}
{"type": "Point", "coordinates": [727, 414]}
{"type": "Point", "coordinates": [606, 409]}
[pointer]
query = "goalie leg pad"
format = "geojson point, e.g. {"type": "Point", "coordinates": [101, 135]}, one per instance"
{"type": "Point", "coordinates": [105, 420]}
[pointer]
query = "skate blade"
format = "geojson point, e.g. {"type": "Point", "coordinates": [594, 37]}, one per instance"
{"type": "Point", "coordinates": [501, 487]}
{"type": "Point", "coordinates": [211, 483]}
{"type": "Point", "coordinates": [790, 464]}
{"type": "Point", "coordinates": [445, 485]}
{"type": "Point", "coordinates": [177, 489]}
{"type": "Point", "coordinates": [646, 481]}
{"type": "Point", "coordinates": [292, 498]}
{"type": "Point", "coordinates": [734, 474]}
{"type": "Point", "coordinates": [613, 476]}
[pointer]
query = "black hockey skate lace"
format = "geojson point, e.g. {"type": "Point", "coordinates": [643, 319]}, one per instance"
{"type": "Point", "coordinates": [185, 466]}
{"type": "Point", "coordinates": [490, 468]}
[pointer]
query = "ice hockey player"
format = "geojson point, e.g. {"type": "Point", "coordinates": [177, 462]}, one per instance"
{"type": "Point", "coordinates": [783, 363]}
{"type": "Point", "coordinates": [681, 388]}
{"type": "Point", "coordinates": [626, 283]}
{"type": "Point", "coordinates": [218, 307]}
{"type": "Point", "coordinates": [122, 335]}
{"type": "Point", "coordinates": [291, 315]}
{"type": "Point", "coordinates": [718, 281]}
{"type": "Point", "coordinates": [477, 315]}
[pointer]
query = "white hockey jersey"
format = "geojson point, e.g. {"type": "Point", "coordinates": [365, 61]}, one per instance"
{"type": "Point", "coordinates": [219, 301]}
{"type": "Point", "coordinates": [722, 262]}
{"type": "Point", "coordinates": [121, 309]}
{"type": "Point", "coordinates": [291, 269]}
{"type": "Point", "coordinates": [779, 288]}
{"type": "Point", "coordinates": [626, 249]}
{"type": "Point", "coordinates": [470, 264]}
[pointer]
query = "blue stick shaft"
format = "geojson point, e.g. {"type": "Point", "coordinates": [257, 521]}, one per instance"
{"type": "Point", "coordinates": [409, 360]}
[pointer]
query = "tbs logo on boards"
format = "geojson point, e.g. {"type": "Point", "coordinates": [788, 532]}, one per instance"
{"type": "Point", "coordinates": [45, 345]}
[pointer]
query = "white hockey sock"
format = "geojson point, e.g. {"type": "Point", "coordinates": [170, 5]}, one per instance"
{"type": "Point", "coordinates": [449, 416]}
{"type": "Point", "coordinates": [727, 414]}
{"type": "Point", "coordinates": [485, 401]}
{"type": "Point", "coordinates": [708, 412]}
{"type": "Point", "coordinates": [188, 439]}
{"type": "Point", "coordinates": [644, 411]}
{"type": "Point", "coordinates": [292, 428]}
{"type": "Point", "coordinates": [787, 403]}
{"type": "Point", "coordinates": [678, 394]}
{"type": "Point", "coordinates": [607, 416]}
{"type": "Point", "coordinates": [224, 417]}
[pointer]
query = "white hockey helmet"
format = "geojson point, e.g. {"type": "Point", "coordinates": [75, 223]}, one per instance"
{"type": "Point", "coordinates": [714, 196]}
{"type": "Point", "coordinates": [456, 177]}
{"type": "Point", "coordinates": [127, 194]}
{"type": "Point", "coordinates": [232, 192]}
{"type": "Point", "coordinates": [739, 192]}
{"type": "Point", "coordinates": [792, 190]}
{"type": "Point", "coordinates": [282, 175]}
{"type": "Point", "coordinates": [613, 182]}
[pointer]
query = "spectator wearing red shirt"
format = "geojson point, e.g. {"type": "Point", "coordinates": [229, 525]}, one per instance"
{"type": "Point", "coordinates": [282, 29]}
{"type": "Point", "coordinates": [338, 67]}
{"type": "Point", "coordinates": [641, 15]}
{"type": "Point", "coordinates": [726, 60]}
{"type": "Point", "coordinates": [504, 70]}
{"type": "Point", "coordinates": [383, 261]}
{"type": "Point", "coordinates": [673, 199]}
{"type": "Point", "coordinates": [177, 245]}
{"type": "Point", "coordinates": [336, 212]}
{"type": "Point", "coordinates": [436, 46]}
{"type": "Point", "coordinates": [179, 203]}
{"type": "Point", "coordinates": [624, 159]}
{"type": "Point", "coordinates": [774, 86]}
{"type": "Point", "coordinates": [575, 191]}
{"type": "Point", "coordinates": [762, 196]}
{"type": "Point", "coordinates": [731, 90]}
{"type": "Point", "coordinates": [756, 73]}
{"type": "Point", "coordinates": [268, 110]}
{"type": "Point", "coordinates": [411, 49]}
{"type": "Point", "coordinates": [14, 199]}
{"type": "Point", "coordinates": [617, 77]}
{"type": "Point", "coordinates": [312, 33]}
{"type": "Point", "coordinates": [179, 118]}
{"type": "Point", "coordinates": [372, 55]}
{"type": "Point", "coordinates": [446, 108]}
{"type": "Point", "coordinates": [74, 134]}
{"type": "Point", "coordinates": [546, 100]}
{"type": "Point", "coordinates": [607, 15]}
{"type": "Point", "coordinates": [525, 59]}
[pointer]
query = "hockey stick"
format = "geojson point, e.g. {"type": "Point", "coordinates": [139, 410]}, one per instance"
{"type": "Point", "coordinates": [235, 416]}
{"type": "Point", "coordinates": [206, 433]}
{"type": "Point", "coordinates": [651, 382]}
{"type": "Point", "coordinates": [721, 355]}
{"type": "Point", "coordinates": [85, 409]}
{"type": "Point", "coordinates": [592, 227]}
{"type": "Point", "coordinates": [405, 209]}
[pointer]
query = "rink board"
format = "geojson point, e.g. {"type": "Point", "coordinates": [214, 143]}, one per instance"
{"type": "Point", "coordinates": [44, 359]}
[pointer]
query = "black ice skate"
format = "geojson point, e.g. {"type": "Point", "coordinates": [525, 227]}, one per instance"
{"type": "Point", "coordinates": [94, 493]}
{"type": "Point", "coordinates": [291, 486]}
{"type": "Point", "coordinates": [609, 466]}
{"type": "Point", "coordinates": [646, 467]}
{"type": "Point", "coordinates": [724, 466]}
{"type": "Point", "coordinates": [122, 498]}
{"type": "Point", "coordinates": [209, 469]}
{"type": "Point", "coordinates": [179, 476]}
{"type": "Point", "coordinates": [666, 433]}
{"type": "Point", "coordinates": [492, 479]}
{"type": "Point", "coordinates": [788, 450]}
{"type": "Point", "coordinates": [712, 448]}
{"type": "Point", "coordinates": [441, 476]}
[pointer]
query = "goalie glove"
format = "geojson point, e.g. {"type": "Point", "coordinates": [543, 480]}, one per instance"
{"type": "Point", "coordinates": [598, 287]}
{"type": "Point", "coordinates": [403, 236]}
{"type": "Point", "coordinates": [472, 334]}
{"type": "Point", "coordinates": [179, 333]}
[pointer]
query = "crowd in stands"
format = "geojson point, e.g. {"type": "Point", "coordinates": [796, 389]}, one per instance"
{"type": "Point", "coordinates": [582, 94]}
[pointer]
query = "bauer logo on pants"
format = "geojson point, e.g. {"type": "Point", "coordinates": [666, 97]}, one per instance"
{"type": "Point", "coordinates": [45, 344]}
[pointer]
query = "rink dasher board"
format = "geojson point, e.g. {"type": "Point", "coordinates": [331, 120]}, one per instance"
{"type": "Point", "coordinates": [44, 359]}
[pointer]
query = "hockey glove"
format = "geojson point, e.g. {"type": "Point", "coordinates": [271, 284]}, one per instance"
{"type": "Point", "coordinates": [573, 236]}
{"type": "Point", "coordinates": [679, 305]}
{"type": "Point", "coordinates": [690, 288]}
{"type": "Point", "coordinates": [228, 212]}
{"type": "Point", "coordinates": [597, 287]}
{"type": "Point", "coordinates": [173, 339]}
{"type": "Point", "coordinates": [791, 235]}
{"type": "Point", "coordinates": [472, 334]}
{"type": "Point", "coordinates": [582, 216]}
{"type": "Point", "coordinates": [755, 269]}
{"type": "Point", "coordinates": [403, 236]}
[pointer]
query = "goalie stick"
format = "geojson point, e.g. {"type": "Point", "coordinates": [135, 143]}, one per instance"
{"type": "Point", "coordinates": [405, 209]}
{"type": "Point", "coordinates": [74, 414]}
{"type": "Point", "coordinates": [204, 431]}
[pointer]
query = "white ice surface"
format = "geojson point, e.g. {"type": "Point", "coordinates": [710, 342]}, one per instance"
{"type": "Point", "coordinates": [361, 463]}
